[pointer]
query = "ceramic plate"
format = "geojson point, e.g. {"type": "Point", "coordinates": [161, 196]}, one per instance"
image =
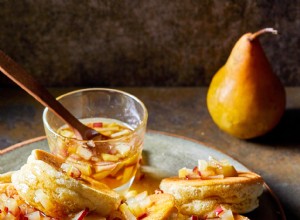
{"type": "Point", "coordinates": [165, 154]}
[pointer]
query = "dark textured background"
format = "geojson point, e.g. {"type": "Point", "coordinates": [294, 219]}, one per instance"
{"type": "Point", "coordinates": [143, 43]}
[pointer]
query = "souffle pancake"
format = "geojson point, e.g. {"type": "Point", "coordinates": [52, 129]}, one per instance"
{"type": "Point", "coordinates": [200, 191]}
{"type": "Point", "coordinates": [58, 190]}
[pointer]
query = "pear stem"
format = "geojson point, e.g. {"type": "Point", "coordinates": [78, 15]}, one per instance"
{"type": "Point", "coordinates": [262, 31]}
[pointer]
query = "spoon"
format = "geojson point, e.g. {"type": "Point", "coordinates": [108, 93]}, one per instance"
{"type": "Point", "coordinates": [23, 79]}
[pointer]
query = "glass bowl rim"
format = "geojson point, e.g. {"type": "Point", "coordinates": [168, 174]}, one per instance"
{"type": "Point", "coordinates": [141, 125]}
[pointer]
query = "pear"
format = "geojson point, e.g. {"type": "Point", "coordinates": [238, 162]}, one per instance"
{"type": "Point", "coordinates": [245, 97]}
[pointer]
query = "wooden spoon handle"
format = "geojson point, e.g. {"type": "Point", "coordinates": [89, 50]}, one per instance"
{"type": "Point", "coordinates": [17, 74]}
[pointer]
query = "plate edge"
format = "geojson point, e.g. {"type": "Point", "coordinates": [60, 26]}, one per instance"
{"type": "Point", "coordinates": [21, 144]}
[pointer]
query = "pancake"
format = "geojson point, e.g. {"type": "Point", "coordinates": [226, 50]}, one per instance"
{"type": "Point", "coordinates": [201, 197]}
{"type": "Point", "coordinates": [43, 185]}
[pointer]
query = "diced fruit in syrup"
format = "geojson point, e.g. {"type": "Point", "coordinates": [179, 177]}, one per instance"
{"type": "Point", "coordinates": [128, 173]}
{"type": "Point", "coordinates": [109, 157]}
{"type": "Point", "coordinates": [84, 152]}
{"type": "Point", "coordinates": [80, 215]}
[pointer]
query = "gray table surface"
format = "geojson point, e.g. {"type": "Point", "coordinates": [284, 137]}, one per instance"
{"type": "Point", "coordinates": [182, 111]}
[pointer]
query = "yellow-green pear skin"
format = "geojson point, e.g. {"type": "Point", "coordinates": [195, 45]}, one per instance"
{"type": "Point", "coordinates": [245, 98]}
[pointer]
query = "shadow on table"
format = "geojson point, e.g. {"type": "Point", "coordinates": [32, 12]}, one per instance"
{"type": "Point", "coordinates": [286, 133]}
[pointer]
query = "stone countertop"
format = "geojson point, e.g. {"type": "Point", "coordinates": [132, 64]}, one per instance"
{"type": "Point", "coordinates": [182, 111]}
